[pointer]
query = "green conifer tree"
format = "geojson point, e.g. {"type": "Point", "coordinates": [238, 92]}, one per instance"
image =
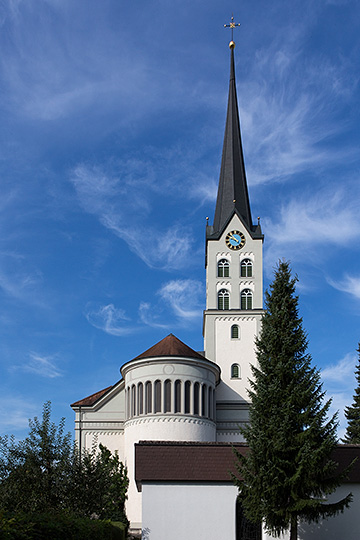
{"type": "Point", "coordinates": [288, 470]}
{"type": "Point", "coordinates": [352, 414]}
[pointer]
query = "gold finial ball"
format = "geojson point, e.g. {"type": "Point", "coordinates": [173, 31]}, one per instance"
{"type": "Point", "coordinates": [232, 44]}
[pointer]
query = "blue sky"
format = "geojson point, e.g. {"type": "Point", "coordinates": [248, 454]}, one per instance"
{"type": "Point", "coordinates": [112, 116]}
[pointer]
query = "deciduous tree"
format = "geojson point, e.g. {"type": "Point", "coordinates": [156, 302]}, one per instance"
{"type": "Point", "coordinates": [45, 472]}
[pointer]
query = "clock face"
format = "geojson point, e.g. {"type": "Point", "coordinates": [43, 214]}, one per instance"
{"type": "Point", "coordinates": [235, 240]}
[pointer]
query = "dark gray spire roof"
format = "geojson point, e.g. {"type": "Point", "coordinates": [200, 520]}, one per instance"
{"type": "Point", "coordinates": [233, 194]}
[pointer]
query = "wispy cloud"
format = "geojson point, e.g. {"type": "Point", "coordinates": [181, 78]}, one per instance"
{"type": "Point", "coordinates": [180, 302]}
{"type": "Point", "coordinates": [306, 223]}
{"type": "Point", "coordinates": [45, 366]}
{"type": "Point", "coordinates": [111, 320]}
{"type": "Point", "coordinates": [350, 285]}
{"type": "Point", "coordinates": [339, 381]}
{"type": "Point", "coordinates": [15, 412]}
{"type": "Point", "coordinates": [184, 296]}
{"type": "Point", "coordinates": [151, 317]}
{"type": "Point", "coordinates": [287, 109]}
{"type": "Point", "coordinates": [341, 373]}
{"type": "Point", "coordinates": [121, 205]}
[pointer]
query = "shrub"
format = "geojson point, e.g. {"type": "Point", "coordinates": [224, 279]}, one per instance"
{"type": "Point", "coordinates": [57, 526]}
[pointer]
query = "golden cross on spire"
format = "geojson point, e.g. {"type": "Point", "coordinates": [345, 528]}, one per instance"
{"type": "Point", "coordinates": [232, 25]}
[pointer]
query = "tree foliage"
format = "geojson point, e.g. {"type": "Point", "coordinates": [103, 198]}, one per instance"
{"type": "Point", "coordinates": [45, 472]}
{"type": "Point", "coordinates": [288, 471]}
{"type": "Point", "coordinates": [352, 414]}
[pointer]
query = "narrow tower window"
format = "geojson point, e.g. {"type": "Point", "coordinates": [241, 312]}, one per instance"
{"type": "Point", "coordinates": [133, 400]}
{"type": "Point", "coordinates": [223, 268]}
{"type": "Point", "coordinates": [246, 299]}
{"type": "Point", "coordinates": [203, 400]}
{"type": "Point", "coordinates": [235, 371]}
{"type": "Point", "coordinates": [157, 392]}
{"type": "Point", "coordinates": [235, 331]}
{"type": "Point", "coordinates": [246, 268]}
{"type": "Point", "coordinates": [210, 407]}
{"type": "Point", "coordinates": [187, 397]}
{"type": "Point", "coordinates": [167, 395]}
{"type": "Point", "coordinates": [177, 396]}
{"type": "Point", "coordinates": [223, 299]}
{"type": "Point", "coordinates": [196, 398]}
{"type": "Point", "coordinates": [128, 404]}
{"type": "Point", "coordinates": [140, 398]}
{"type": "Point", "coordinates": [148, 398]}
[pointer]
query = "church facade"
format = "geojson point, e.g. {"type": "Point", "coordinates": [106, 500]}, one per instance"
{"type": "Point", "coordinates": [171, 392]}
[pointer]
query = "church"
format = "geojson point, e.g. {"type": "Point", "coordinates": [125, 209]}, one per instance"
{"type": "Point", "coordinates": [175, 413]}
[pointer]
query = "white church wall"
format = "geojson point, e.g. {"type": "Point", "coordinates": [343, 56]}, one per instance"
{"type": "Point", "coordinates": [201, 511]}
{"type": "Point", "coordinates": [102, 422]}
{"type": "Point", "coordinates": [235, 351]}
{"type": "Point", "coordinates": [113, 440]}
{"type": "Point", "coordinates": [188, 511]}
{"type": "Point", "coordinates": [159, 428]}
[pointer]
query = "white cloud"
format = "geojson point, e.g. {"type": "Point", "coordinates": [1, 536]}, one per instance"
{"type": "Point", "coordinates": [42, 365]}
{"type": "Point", "coordinates": [341, 373]}
{"type": "Point", "coordinates": [287, 109]}
{"type": "Point", "coordinates": [184, 296]}
{"type": "Point", "coordinates": [315, 222]}
{"type": "Point", "coordinates": [15, 412]}
{"type": "Point", "coordinates": [121, 203]}
{"type": "Point", "coordinates": [350, 285]}
{"type": "Point", "coordinates": [109, 319]}
{"type": "Point", "coordinates": [151, 316]}
{"type": "Point", "coordinates": [339, 382]}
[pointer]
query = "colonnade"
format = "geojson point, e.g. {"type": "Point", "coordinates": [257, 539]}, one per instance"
{"type": "Point", "coordinates": [170, 397]}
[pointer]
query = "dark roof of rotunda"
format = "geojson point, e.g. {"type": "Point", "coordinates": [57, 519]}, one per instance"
{"type": "Point", "coordinates": [170, 346]}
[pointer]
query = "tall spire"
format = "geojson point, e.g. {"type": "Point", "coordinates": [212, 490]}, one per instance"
{"type": "Point", "coordinates": [233, 194]}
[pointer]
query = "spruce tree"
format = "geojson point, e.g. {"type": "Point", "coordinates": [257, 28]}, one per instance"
{"type": "Point", "coordinates": [288, 470]}
{"type": "Point", "coordinates": [352, 414]}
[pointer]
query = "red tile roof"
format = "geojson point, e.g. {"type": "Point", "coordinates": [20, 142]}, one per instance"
{"type": "Point", "coordinates": [170, 346]}
{"type": "Point", "coordinates": [159, 461]}
{"type": "Point", "coordinates": [90, 400]}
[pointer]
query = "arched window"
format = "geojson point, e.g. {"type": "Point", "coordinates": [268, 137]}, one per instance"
{"type": "Point", "coordinates": [140, 398]}
{"type": "Point", "coordinates": [167, 395]}
{"type": "Point", "coordinates": [246, 268]}
{"type": "Point", "coordinates": [223, 299]}
{"type": "Point", "coordinates": [187, 397]}
{"type": "Point", "coordinates": [157, 392]}
{"type": "Point", "coordinates": [203, 400]}
{"type": "Point", "coordinates": [210, 407]}
{"type": "Point", "coordinates": [128, 403]}
{"type": "Point", "coordinates": [246, 299]}
{"type": "Point", "coordinates": [223, 268]}
{"type": "Point", "coordinates": [148, 398]}
{"type": "Point", "coordinates": [235, 331]}
{"type": "Point", "coordinates": [133, 400]}
{"type": "Point", "coordinates": [177, 398]}
{"type": "Point", "coordinates": [235, 371]}
{"type": "Point", "coordinates": [196, 397]}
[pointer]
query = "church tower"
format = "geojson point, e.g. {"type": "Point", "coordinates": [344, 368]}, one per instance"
{"type": "Point", "coordinates": [234, 276]}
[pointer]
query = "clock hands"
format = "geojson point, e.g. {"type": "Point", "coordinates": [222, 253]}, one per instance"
{"type": "Point", "coordinates": [237, 240]}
